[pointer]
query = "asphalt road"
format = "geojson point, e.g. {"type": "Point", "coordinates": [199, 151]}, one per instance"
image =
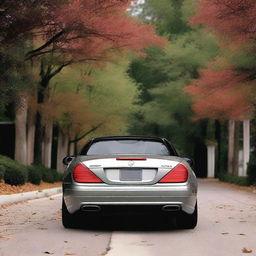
{"type": "Point", "coordinates": [227, 226]}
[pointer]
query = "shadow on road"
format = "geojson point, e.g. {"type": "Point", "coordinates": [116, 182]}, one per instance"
{"type": "Point", "coordinates": [126, 222]}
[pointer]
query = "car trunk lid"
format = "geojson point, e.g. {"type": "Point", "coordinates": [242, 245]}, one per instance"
{"type": "Point", "coordinates": [130, 169]}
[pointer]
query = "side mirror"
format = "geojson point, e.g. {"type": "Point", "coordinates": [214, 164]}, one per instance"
{"type": "Point", "coordinates": [66, 160]}
{"type": "Point", "coordinates": [190, 162]}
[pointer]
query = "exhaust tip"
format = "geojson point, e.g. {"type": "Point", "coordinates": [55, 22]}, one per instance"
{"type": "Point", "coordinates": [90, 208]}
{"type": "Point", "coordinates": [171, 208]}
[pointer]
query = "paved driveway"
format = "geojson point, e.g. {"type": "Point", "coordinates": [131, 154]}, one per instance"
{"type": "Point", "coordinates": [227, 224]}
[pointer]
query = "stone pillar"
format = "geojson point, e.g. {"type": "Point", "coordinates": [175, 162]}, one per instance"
{"type": "Point", "coordinates": [246, 145]}
{"type": "Point", "coordinates": [211, 161]}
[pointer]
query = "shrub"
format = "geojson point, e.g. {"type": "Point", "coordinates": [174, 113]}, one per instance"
{"type": "Point", "coordinates": [60, 176]}
{"type": "Point", "coordinates": [15, 173]}
{"type": "Point", "coordinates": [251, 170]}
{"type": "Point", "coordinates": [15, 177]}
{"type": "Point", "coordinates": [34, 174]}
{"type": "Point", "coordinates": [50, 175]}
{"type": "Point", "coordinates": [2, 171]}
{"type": "Point", "coordinates": [233, 179]}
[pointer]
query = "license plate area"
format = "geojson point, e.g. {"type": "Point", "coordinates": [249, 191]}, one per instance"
{"type": "Point", "coordinates": [130, 174]}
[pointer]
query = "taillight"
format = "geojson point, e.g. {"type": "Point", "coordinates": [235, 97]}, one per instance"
{"type": "Point", "coordinates": [83, 174]}
{"type": "Point", "coordinates": [178, 174]}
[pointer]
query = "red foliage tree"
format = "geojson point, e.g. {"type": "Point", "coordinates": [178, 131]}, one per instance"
{"type": "Point", "coordinates": [84, 29]}
{"type": "Point", "coordinates": [68, 32]}
{"type": "Point", "coordinates": [226, 92]}
{"type": "Point", "coordinates": [221, 94]}
{"type": "Point", "coordinates": [233, 19]}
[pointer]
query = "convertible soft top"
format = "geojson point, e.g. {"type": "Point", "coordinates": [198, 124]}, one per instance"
{"type": "Point", "coordinates": [171, 149]}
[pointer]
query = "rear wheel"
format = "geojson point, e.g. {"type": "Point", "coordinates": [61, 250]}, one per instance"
{"type": "Point", "coordinates": [68, 220]}
{"type": "Point", "coordinates": [187, 221]}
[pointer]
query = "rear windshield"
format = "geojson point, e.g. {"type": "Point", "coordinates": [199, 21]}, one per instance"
{"type": "Point", "coordinates": [142, 147]}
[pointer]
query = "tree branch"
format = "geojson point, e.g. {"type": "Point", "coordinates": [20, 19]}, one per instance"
{"type": "Point", "coordinates": [30, 54]}
{"type": "Point", "coordinates": [88, 132]}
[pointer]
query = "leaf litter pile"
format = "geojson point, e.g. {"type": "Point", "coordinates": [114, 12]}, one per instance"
{"type": "Point", "coordinates": [6, 189]}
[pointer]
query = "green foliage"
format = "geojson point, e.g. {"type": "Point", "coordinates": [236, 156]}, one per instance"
{"type": "Point", "coordinates": [226, 177]}
{"type": "Point", "coordinates": [2, 171]}
{"type": "Point", "coordinates": [15, 76]}
{"type": "Point", "coordinates": [107, 96]}
{"type": "Point", "coordinates": [38, 173]}
{"type": "Point", "coordinates": [167, 15]}
{"type": "Point", "coordinates": [14, 176]}
{"type": "Point", "coordinates": [251, 170]}
{"type": "Point", "coordinates": [50, 175]}
{"type": "Point", "coordinates": [164, 108]}
{"type": "Point", "coordinates": [15, 173]}
{"type": "Point", "coordinates": [34, 174]}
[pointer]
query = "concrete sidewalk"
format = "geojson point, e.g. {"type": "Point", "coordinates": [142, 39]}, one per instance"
{"type": "Point", "coordinates": [14, 198]}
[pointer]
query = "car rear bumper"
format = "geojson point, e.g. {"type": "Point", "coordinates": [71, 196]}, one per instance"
{"type": "Point", "coordinates": [103, 195]}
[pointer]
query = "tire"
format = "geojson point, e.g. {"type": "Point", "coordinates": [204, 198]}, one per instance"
{"type": "Point", "coordinates": [187, 221]}
{"type": "Point", "coordinates": [68, 220]}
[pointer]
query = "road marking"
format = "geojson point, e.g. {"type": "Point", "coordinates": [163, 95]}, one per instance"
{"type": "Point", "coordinates": [127, 244]}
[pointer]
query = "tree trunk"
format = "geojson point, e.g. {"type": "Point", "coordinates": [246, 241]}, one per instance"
{"type": "Point", "coordinates": [71, 150]}
{"type": "Point", "coordinates": [231, 137]}
{"type": "Point", "coordinates": [31, 136]}
{"type": "Point", "coordinates": [47, 72]}
{"type": "Point", "coordinates": [62, 150]}
{"type": "Point", "coordinates": [47, 154]}
{"type": "Point", "coordinates": [20, 129]}
{"type": "Point", "coordinates": [38, 139]}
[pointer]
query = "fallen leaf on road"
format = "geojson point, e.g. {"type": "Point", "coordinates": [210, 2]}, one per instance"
{"type": "Point", "coordinates": [224, 233]}
{"type": "Point", "coordinates": [51, 198]}
{"type": "Point", "coordinates": [34, 213]}
{"type": "Point", "coordinates": [5, 237]}
{"type": "Point", "coordinates": [65, 241]}
{"type": "Point", "coordinates": [70, 253]}
{"type": "Point", "coordinates": [49, 252]}
{"type": "Point", "coordinates": [217, 221]}
{"type": "Point", "coordinates": [241, 234]}
{"type": "Point", "coordinates": [246, 250]}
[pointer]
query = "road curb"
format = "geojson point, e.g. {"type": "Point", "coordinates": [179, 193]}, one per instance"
{"type": "Point", "coordinates": [14, 198]}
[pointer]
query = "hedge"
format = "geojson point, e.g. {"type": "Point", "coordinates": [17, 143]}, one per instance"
{"type": "Point", "coordinates": [2, 171]}
{"type": "Point", "coordinates": [15, 173]}
{"type": "Point", "coordinates": [251, 170]}
{"type": "Point", "coordinates": [34, 175]}
{"type": "Point", "coordinates": [233, 179]}
{"type": "Point", "coordinates": [38, 173]}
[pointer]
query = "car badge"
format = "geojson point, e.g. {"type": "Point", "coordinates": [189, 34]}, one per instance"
{"type": "Point", "coordinates": [131, 163]}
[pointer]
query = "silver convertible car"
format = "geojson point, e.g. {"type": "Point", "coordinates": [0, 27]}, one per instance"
{"type": "Point", "coordinates": [122, 173]}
